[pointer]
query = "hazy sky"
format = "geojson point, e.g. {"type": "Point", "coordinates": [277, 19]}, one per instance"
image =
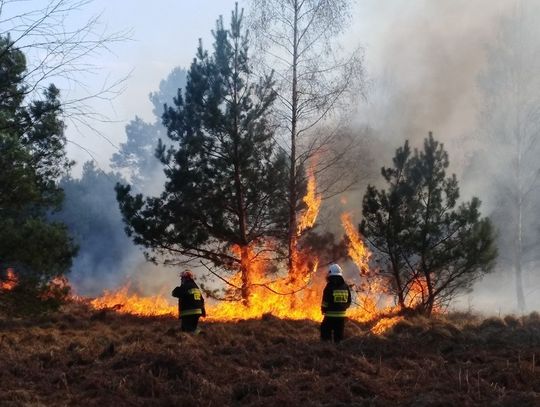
{"type": "Point", "coordinates": [418, 42]}
{"type": "Point", "coordinates": [164, 34]}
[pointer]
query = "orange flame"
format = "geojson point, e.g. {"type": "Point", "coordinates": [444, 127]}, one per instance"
{"type": "Point", "coordinates": [57, 288]}
{"type": "Point", "coordinates": [358, 252]}
{"type": "Point", "coordinates": [126, 303]}
{"type": "Point", "coordinates": [301, 268]}
{"type": "Point", "coordinates": [418, 293]}
{"type": "Point", "coordinates": [384, 324]}
{"type": "Point", "coordinates": [313, 203]}
{"type": "Point", "coordinates": [274, 293]}
{"type": "Point", "coordinates": [294, 295]}
{"type": "Point", "coordinates": [10, 282]}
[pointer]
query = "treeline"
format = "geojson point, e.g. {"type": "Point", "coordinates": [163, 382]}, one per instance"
{"type": "Point", "coordinates": [230, 192]}
{"type": "Point", "coordinates": [219, 178]}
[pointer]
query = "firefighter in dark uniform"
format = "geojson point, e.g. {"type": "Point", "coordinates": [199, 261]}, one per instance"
{"type": "Point", "coordinates": [336, 299]}
{"type": "Point", "coordinates": [190, 303]}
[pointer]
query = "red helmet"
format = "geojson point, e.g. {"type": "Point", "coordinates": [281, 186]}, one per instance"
{"type": "Point", "coordinates": [186, 275]}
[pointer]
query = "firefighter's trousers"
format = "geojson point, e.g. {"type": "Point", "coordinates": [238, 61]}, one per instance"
{"type": "Point", "coordinates": [332, 326]}
{"type": "Point", "coordinates": [189, 323]}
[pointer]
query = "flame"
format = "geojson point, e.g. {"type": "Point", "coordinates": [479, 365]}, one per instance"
{"type": "Point", "coordinates": [358, 252]}
{"type": "Point", "coordinates": [135, 304]}
{"type": "Point", "coordinates": [301, 265]}
{"type": "Point", "coordinates": [373, 297]}
{"type": "Point", "coordinates": [384, 324]}
{"type": "Point", "coordinates": [277, 293]}
{"type": "Point", "coordinates": [418, 292]}
{"type": "Point", "coordinates": [10, 282]}
{"type": "Point", "coordinates": [289, 295]}
{"type": "Point", "coordinates": [293, 295]}
{"type": "Point", "coordinates": [313, 204]}
{"type": "Point", "coordinates": [57, 288]}
{"type": "Point", "coordinates": [269, 293]}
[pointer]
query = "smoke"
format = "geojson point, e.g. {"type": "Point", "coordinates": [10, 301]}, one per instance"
{"type": "Point", "coordinates": [425, 61]}
{"type": "Point", "coordinates": [107, 258]}
{"type": "Point", "coordinates": [424, 75]}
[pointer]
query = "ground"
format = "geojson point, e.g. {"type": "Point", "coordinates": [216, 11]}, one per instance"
{"type": "Point", "coordinates": [81, 357]}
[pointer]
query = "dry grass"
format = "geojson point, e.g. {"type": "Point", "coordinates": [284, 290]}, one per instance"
{"type": "Point", "coordinates": [80, 357]}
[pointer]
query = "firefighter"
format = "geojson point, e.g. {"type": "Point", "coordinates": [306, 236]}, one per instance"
{"type": "Point", "coordinates": [190, 303]}
{"type": "Point", "coordinates": [336, 299]}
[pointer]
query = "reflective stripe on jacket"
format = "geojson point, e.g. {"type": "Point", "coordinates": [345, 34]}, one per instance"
{"type": "Point", "coordinates": [187, 312]}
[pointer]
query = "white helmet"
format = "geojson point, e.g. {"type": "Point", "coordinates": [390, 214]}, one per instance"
{"type": "Point", "coordinates": [335, 270]}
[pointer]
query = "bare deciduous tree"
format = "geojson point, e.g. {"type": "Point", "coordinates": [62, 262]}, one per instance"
{"type": "Point", "coordinates": [62, 47]}
{"type": "Point", "coordinates": [299, 43]}
{"type": "Point", "coordinates": [511, 127]}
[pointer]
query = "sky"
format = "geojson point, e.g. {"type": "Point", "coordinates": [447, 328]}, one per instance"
{"type": "Point", "coordinates": [416, 45]}
{"type": "Point", "coordinates": [164, 34]}
{"type": "Point", "coordinates": [162, 37]}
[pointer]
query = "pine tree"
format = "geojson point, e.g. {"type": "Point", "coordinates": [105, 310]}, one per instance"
{"type": "Point", "coordinates": [32, 159]}
{"type": "Point", "coordinates": [137, 154]}
{"type": "Point", "coordinates": [226, 182]}
{"type": "Point", "coordinates": [424, 240]}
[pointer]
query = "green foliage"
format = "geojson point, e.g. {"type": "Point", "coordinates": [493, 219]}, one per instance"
{"type": "Point", "coordinates": [29, 299]}
{"type": "Point", "coordinates": [225, 180]}
{"type": "Point", "coordinates": [32, 158]}
{"type": "Point", "coordinates": [421, 235]}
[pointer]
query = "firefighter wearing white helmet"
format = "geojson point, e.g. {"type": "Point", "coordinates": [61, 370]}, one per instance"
{"type": "Point", "coordinates": [336, 299]}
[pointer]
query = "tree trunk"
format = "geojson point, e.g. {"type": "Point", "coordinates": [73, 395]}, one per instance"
{"type": "Point", "coordinates": [293, 192]}
{"type": "Point", "coordinates": [518, 261]}
{"type": "Point", "coordinates": [518, 241]}
{"type": "Point", "coordinates": [399, 284]}
{"type": "Point", "coordinates": [430, 301]}
{"type": "Point", "coordinates": [239, 189]}
{"type": "Point", "coordinates": [245, 270]}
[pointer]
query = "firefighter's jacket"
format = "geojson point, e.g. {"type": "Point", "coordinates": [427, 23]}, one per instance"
{"type": "Point", "coordinates": [190, 299]}
{"type": "Point", "coordinates": [336, 297]}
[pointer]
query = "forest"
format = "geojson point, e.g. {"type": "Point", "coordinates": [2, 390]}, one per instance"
{"type": "Point", "coordinates": [275, 151]}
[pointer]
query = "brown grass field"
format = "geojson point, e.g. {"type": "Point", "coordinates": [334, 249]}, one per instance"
{"type": "Point", "coordinates": [81, 357]}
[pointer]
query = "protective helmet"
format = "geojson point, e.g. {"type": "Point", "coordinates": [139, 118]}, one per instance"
{"type": "Point", "coordinates": [186, 275]}
{"type": "Point", "coordinates": [335, 270]}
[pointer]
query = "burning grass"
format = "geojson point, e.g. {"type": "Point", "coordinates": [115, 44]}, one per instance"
{"type": "Point", "coordinates": [296, 296]}
{"type": "Point", "coordinates": [88, 357]}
